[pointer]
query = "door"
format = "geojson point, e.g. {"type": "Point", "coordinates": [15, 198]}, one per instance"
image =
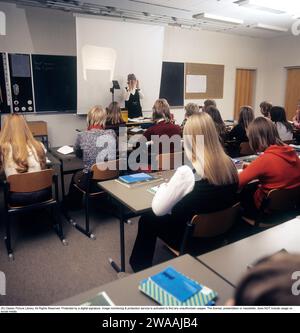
{"type": "Point", "coordinates": [244, 89]}
{"type": "Point", "coordinates": [292, 92]}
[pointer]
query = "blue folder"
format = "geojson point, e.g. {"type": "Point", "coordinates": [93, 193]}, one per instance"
{"type": "Point", "coordinates": [136, 178]}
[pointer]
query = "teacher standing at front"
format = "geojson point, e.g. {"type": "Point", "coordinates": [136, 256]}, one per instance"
{"type": "Point", "coordinates": [133, 95]}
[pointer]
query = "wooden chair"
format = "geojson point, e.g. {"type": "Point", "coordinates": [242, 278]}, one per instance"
{"type": "Point", "coordinates": [99, 172]}
{"type": "Point", "coordinates": [245, 149]}
{"type": "Point", "coordinates": [169, 161]}
{"type": "Point", "coordinates": [25, 183]}
{"type": "Point", "coordinates": [207, 226]}
{"type": "Point", "coordinates": [276, 203]}
{"type": "Point", "coordinates": [39, 130]}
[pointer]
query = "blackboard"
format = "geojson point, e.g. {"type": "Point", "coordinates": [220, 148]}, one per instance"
{"type": "Point", "coordinates": [55, 83]}
{"type": "Point", "coordinates": [172, 83]}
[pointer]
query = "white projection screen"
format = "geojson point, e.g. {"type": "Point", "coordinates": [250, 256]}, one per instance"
{"type": "Point", "coordinates": [110, 50]}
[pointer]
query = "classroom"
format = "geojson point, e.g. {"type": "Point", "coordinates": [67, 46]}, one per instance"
{"type": "Point", "coordinates": [149, 153]}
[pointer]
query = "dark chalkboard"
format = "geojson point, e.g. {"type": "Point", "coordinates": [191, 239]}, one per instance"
{"type": "Point", "coordinates": [55, 83]}
{"type": "Point", "coordinates": [172, 83]}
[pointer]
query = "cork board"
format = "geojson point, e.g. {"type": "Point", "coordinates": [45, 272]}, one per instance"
{"type": "Point", "coordinates": [214, 80]}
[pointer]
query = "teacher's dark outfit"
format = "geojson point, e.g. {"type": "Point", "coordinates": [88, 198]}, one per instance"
{"type": "Point", "coordinates": [132, 103]}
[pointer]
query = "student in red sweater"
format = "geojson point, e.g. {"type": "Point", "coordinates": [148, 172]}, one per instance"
{"type": "Point", "coordinates": [163, 124]}
{"type": "Point", "coordinates": [278, 166]}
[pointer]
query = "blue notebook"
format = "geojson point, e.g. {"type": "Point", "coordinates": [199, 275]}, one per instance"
{"type": "Point", "coordinates": [136, 178]}
{"type": "Point", "coordinates": [171, 288]}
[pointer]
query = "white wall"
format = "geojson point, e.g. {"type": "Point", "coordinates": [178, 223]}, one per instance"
{"type": "Point", "coordinates": [218, 48]}
{"type": "Point", "coordinates": [42, 31]}
{"type": "Point", "coordinates": [34, 30]}
{"type": "Point", "coordinates": [281, 53]}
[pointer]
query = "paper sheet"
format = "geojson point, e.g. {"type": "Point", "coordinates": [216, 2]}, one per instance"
{"type": "Point", "coordinates": [196, 84]}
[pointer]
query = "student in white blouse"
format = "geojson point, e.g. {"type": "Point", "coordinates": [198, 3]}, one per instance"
{"type": "Point", "coordinates": [21, 153]}
{"type": "Point", "coordinates": [189, 192]}
{"type": "Point", "coordinates": [284, 128]}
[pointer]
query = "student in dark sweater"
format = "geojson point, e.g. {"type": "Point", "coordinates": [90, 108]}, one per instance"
{"type": "Point", "coordinates": [189, 192]}
{"type": "Point", "coordinates": [239, 132]}
{"type": "Point", "coordinates": [163, 125]}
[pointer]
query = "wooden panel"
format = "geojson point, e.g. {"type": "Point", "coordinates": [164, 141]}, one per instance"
{"type": "Point", "coordinates": [244, 89]}
{"type": "Point", "coordinates": [292, 94]}
{"type": "Point", "coordinates": [215, 80]}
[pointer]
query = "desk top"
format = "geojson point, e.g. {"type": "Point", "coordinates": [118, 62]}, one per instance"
{"type": "Point", "coordinates": [70, 161]}
{"type": "Point", "coordinates": [137, 198]}
{"type": "Point", "coordinates": [231, 261]}
{"type": "Point", "coordinates": [125, 291]}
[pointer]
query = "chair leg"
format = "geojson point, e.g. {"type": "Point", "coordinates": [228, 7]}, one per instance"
{"type": "Point", "coordinates": [58, 226]}
{"type": "Point", "coordinates": [86, 230]}
{"type": "Point", "coordinates": [8, 237]}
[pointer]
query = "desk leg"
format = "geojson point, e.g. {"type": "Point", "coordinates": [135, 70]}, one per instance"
{"type": "Point", "coordinates": [122, 249]}
{"type": "Point", "coordinates": [62, 177]}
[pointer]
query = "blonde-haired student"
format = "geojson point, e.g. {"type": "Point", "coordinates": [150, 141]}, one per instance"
{"type": "Point", "coordinates": [210, 185]}
{"type": "Point", "coordinates": [21, 153]}
{"type": "Point", "coordinates": [94, 144]}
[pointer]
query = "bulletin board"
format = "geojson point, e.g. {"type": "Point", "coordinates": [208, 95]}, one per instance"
{"type": "Point", "coordinates": [211, 78]}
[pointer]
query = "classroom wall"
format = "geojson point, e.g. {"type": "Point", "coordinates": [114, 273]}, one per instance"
{"type": "Point", "coordinates": [281, 52]}
{"type": "Point", "coordinates": [219, 48]}
{"type": "Point", "coordinates": [35, 30]}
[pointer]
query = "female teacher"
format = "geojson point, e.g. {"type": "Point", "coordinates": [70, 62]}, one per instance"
{"type": "Point", "coordinates": [133, 95]}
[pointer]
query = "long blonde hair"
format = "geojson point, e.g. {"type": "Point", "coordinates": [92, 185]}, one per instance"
{"type": "Point", "coordinates": [212, 163]}
{"type": "Point", "coordinates": [17, 138]}
{"type": "Point", "coordinates": [96, 117]}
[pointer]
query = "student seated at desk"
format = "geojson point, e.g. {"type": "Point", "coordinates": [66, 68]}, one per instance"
{"type": "Point", "coordinates": [190, 109]}
{"type": "Point", "coordinates": [284, 128]}
{"type": "Point", "coordinates": [94, 144]}
{"type": "Point", "coordinates": [207, 103]}
{"type": "Point", "coordinates": [188, 192]}
{"type": "Point", "coordinates": [277, 168]}
{"type": "Point", "coordinates": [219, 123]}
{"type": "Point", "coordinates": [265, 108]}
{"type": "Point", "coordinates": [239, 132]}
{"type": "Point", "coordinates": [114, 117]}
{"type": "Point", "coordinates": [21, 153]}
{"type": "Point", "coordinates": [163, 123]}
{"type": "Point", "coordinates": [269, 282]}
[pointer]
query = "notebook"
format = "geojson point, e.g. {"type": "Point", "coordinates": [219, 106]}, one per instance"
{"type": "Point", "coordinates": [65, 150]}
{"type": "Point", "coordinates": [171, 288]}
{"type": "Point", "coordinates": [136, 178]}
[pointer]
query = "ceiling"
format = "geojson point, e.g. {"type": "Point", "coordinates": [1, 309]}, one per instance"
{"type": "Point", "coordinates": [179, 13]}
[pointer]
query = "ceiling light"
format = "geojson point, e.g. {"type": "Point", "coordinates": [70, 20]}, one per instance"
{"type": "Point", "coordinates": [270, 27]}
{"type": "Point", "coordinates": [218, 18]}
{"type": "Point", "coordinates": [272, 6]}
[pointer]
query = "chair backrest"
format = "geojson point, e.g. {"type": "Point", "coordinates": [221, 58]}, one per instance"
{"type": "Point", "coordinates": [283, 199]}
{"type": "Point", "coordinates": [30, 181]}
{"type": "Point", "coordinates": [106, 170]}
{"type": "Point", "coordinates": [245, 149]}
{"type": "Point", "coordinates": [216, 223]}
{"type": "Point", "coordinates": [38, 128]}
{"type": "Point", "coordinates": [169, 161]}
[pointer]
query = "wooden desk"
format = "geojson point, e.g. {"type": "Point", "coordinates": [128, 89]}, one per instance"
{"type": "Point", "coordinates": [137, 199]}
{"type": "Point", "coordinates": [125, 291]}
{"type": "Point", "coordinates": [231, 261]}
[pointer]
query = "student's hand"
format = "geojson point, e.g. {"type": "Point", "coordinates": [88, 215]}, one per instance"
{"type": "Point", "coordinates": [245, 165]}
